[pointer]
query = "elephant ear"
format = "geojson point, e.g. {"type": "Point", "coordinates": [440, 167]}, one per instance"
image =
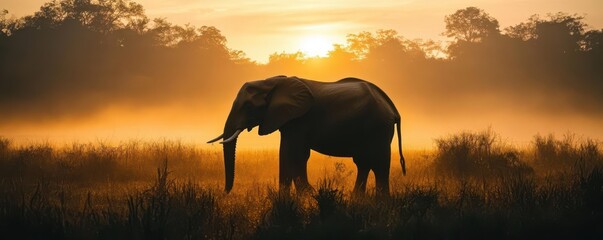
{"type": "Point", "coordinates": [290, 99]}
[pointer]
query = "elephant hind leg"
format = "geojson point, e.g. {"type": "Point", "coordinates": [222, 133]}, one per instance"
{"type": "Point", "coordinates": [381, 165]}
{"type": "Point", "coordinates": [382, 181]}
{"type": "Point", "coordinates": [361, 175]}
{"type": "Point", "coordinates": [376, 159]}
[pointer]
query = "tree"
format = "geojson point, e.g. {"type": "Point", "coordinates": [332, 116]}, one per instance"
{"type": "Point", "coordinates": [122, 14]}
{"type": "Point", "coordinates": [383, 45]}
{"type": "Point", "coordinates": [593, 41]}
{"type": "Point", "coordinates": [525, 30]}
{"type": "Point", "coordinates": [211, 37]}
{"type": "Point", "coordinates": [387, 45]}
{"type": "Point", "coordinates": [561, 32]}
{"type": "Point", "coordinates": [283, 58]}
{"type": "Point", "coordinates": [360, 44]}
{"type": "Point", "coordinates": [164, 33]}
{"type": "Point", "coordinates": [391, 47]}
{"type": "Point", "coordinates": [50, 15]}
{"type": "Point", "coordinates": [100, 15]}
{"type": "Point", "coordinates": [431, 48]}
{"type": "Point", "coordinates": [470, 25]}
{"type": "Point", "coordinates": [4, 23]}
{"type": "Point", "coordinates": [340, 54]}
{"type": "Point", "coordinates": [240, 57]}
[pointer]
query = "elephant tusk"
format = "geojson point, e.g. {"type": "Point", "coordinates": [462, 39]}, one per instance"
{"type": "Point", "coordinates": [233, 137]}
{"type": "Point", "coordinates": [216, 139]}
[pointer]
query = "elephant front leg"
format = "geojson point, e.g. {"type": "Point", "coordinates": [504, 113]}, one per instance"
{"type": "Point", "coordinates": [300, 177]}
{"type": "Point", "coordinates": [284, 174]}
{"type": "Point", "coordinates": [293, 159]}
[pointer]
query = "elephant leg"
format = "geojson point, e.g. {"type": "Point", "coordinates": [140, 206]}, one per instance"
{"type": "Point", "coordinates": [381, 164]}
{"type": "Point", "coordinates": [361, 176]}
{"type": "Point", "coordinates": [284, 173]}
{"type": "Point", "coordinates": [294, 155]}
{"type": "Point", "coordinates": [300, 172]}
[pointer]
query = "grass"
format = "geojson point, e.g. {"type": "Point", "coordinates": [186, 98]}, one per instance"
{"type": "Point", "coordinates": [472, 185]}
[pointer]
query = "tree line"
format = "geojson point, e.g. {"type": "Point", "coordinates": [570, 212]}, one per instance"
{"type": "Point", "coordinates": [74, 57]}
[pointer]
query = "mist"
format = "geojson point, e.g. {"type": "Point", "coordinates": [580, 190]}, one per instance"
{"type": "Point", "coordinates": [71, 72]}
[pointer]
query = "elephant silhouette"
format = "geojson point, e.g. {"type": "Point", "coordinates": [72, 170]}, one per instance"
{"type": "Point", "coordinates": [347, 118]}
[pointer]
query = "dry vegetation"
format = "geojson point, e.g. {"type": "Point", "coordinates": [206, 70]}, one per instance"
{"type": "Point", "coordinates": [473, 185]}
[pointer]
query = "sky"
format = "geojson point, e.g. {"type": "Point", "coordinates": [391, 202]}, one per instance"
{"type": "Point", "coordinates": [262, 27]}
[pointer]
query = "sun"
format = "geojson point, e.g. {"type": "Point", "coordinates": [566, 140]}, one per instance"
{"type": "Point", "coordinates": [315, 46]}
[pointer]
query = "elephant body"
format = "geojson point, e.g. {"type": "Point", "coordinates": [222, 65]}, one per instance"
{"type": "Point", "coordinates": [347, 118]}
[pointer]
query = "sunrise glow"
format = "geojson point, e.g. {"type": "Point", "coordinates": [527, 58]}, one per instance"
{"type": "Point", "coordinates": [315, 46]}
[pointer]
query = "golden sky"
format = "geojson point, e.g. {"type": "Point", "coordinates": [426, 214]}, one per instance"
{"type": "Point", "coordinates": [262, 27]}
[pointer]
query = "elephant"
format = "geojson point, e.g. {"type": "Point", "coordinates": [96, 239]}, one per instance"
{"type": "Point", "coordinates": [347, 118]}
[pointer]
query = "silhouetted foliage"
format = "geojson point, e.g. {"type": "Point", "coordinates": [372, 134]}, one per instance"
{"type": "Point", "coordinates": [569, 153]}
{"type": "Point", "coordinates": [109, 53]}
{"type": "Point", "coordinates": [470, 25]}
{"type": "Point", "coordinates": [5, 24]}
{"type": "Point", "coordinates": [383, 46]}
{"type": "Point", "coordinates": [479, 155]}
{"type": "Point", "coordinates": [103, 53]}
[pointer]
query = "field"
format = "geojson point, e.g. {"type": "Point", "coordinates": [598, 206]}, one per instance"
{"type": "Point", "coordinates": [472, 185]}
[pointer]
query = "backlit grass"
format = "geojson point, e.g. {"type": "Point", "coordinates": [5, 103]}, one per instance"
{"type": "Point", "coordinates": [472, 185]}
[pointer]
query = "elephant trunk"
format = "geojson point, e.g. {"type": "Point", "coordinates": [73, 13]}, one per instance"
{"type": "Point", "coordinates": [231, 130]}
{"type": "Point", "coordinates": [229, 163]}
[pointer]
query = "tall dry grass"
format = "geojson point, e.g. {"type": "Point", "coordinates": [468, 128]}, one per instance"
{"type": "Point", "coordinates": [473, 185]}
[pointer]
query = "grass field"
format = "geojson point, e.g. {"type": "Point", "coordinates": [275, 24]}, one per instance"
{"type": "Point", "coordinates": [472, 185]}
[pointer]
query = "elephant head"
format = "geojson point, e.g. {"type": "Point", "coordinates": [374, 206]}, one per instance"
{"type": "Point", "coordinates": [269, 103]}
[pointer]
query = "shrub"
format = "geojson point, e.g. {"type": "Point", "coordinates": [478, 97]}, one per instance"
{"type": "Point", "coordinates": [553, 154]}
{"type": "Point", "coordinates": [480, 154]}
{"type": "Point", "coordinates": [4, 145]}
{"type": "Point", "coordinates": [329, 200]}
{"type": "Point", "coordinates": [284, 219]}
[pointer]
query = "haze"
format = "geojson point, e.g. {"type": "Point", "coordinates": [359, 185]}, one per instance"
{"type": "Point", "coordinates": [145, 93]}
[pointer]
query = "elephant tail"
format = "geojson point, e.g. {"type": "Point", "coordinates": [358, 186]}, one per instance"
{"type": "Point", "coordinates": [402, 162]}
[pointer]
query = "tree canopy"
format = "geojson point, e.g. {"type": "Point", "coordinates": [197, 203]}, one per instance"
{"type": "Point", "coordinates": [470, 25]}
{"type": "Point", "coordinates": [104, 52]}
